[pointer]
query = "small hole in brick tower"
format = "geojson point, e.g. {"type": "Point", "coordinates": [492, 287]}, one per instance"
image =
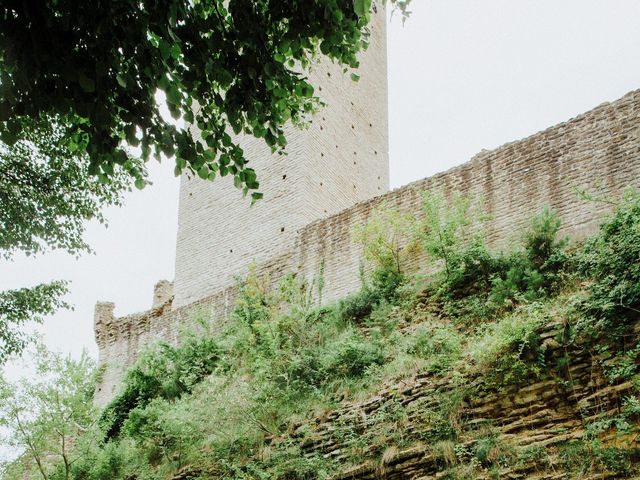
{"type": "Point", "coordinates": [375, 151]}
{"type": "Point", "coordinates": [230, 251]}
{"type": "Point", "coordinates": [378, 177]}
{"type": "Point", "coordinates": [284, 177]}
{"type": "Point", "coordinates": [320, 183]}
{"type": "Point", "coordinates": [321, 127]}
{"type": "Point", "coordinates": [321, 154]}
{"type": "Point", "coordinates": [328, 74]}
{"type": "Point", "coordinates": [354, 162]}
{"type": "Point", "coordinates": [371, 124]}
{"type": "Point", "coordinates": [282, 229]}
{"type": "Point", "coordinates": [353, 127]}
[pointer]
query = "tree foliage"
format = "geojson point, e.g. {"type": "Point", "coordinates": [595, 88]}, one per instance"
{"type": "Point", "coordinates": [611, 260]}
{"type": "Point", "coordinates": [239, 63]}
{"type": "Point", "coordinates": [24, 304]}
{"type": "Point", "coordinates": [78, 88]}
{"type": "Point", "coordinates": [51, 418]}
{"type": "Point", "coordinates": [46, 192]}
{"type": "Point", "coordinates": [46, 196]}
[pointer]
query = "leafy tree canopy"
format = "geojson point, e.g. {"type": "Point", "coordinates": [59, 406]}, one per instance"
{"type": "Point", "coordinates": [238, 63]}
{"type": "Point", "coordinates": [46, 196]}
{"type": "Point", "coordinates": [78, 88]}
{"type": "Point", "coordinates": [49, 419]}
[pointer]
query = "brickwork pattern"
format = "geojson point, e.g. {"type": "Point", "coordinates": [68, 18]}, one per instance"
{"type": "Point", "coordinates": [597, 150]}
{"type": "Point", "coordinates": [338, 161]}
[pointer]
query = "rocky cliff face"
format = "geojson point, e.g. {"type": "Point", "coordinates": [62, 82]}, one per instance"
{"type": "Point", "coordinates": [534, 430]}
{"type": "Point", "coordinates": [559, 426]}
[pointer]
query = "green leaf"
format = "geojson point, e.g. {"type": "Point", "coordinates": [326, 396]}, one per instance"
{"type": "Point", "coordinates": [165, 49]}
{"type": "Point", "coordinates": [140, 183]}
{"type": "Point", "coordinates": [209, 154]}
{"type": "Point", "coordinates": [87, 84]}
{"type": "Point", "coordinates": [173, 95]}
{"type": "Point", "coordinates": [362, 7]}
{"type": "Point", "coordinates": [8, 137]}
{"type": "Point", "coordinates": [107, 168]}
{"type": "Point", "coordinates": [255, 196]}
{"type": "Point", "coordinates": [175, 51]}
{"type": "Point", "coordinates": [122, 80]}
{"type": "Point", "coordinates": [355, 77]}
{"type": "Point", "coordinates": [203, 172]}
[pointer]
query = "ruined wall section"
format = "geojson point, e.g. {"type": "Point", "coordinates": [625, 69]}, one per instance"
{"type": "Point", "coordinates": [598, 150]}
{"type": "Point", "coordinates": [339, 160]}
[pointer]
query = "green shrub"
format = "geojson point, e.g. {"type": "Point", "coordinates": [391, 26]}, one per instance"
{"type": "Point", "coordinates": [440, 345]}
{"type": "Point", "coordinates": [164, 371]}
{"type": "Point", "coordinates": [388, 240]}
{"type": "Point", "coordinates": [357, 306]}
{"type": "Point", "coordinates": [471, 269]}
{"type": "Point", "coordinates": [444, 229]}
{"type": "Point", "coordinates": [509, 350]}
{"type": "Point", "coordinates": [537, 270]}
{"type": "Point", "coordinates": [477, 284]}
{"type": "Point", "coordinates": [610, 260]}
{"type": "Point", "coordinates": [352, 356]}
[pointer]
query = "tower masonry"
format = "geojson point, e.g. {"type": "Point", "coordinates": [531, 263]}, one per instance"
{"type": "Point", "coordinates": [339, 160]}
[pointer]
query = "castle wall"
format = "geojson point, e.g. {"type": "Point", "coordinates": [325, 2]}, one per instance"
{"type": "Point", "coordinates": [598, 150]}
{"type": "Point", "coordinates": [339, 160]}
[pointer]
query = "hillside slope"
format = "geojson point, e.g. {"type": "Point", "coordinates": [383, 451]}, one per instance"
{"type": "Point", "coordinates": [481, 364]}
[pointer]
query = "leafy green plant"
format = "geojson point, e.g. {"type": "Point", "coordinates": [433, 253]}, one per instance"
{"type": "Point", "coordinates": [537, 270]}
{"type": "Point", "coordinates": [610, 261]}
{"type": "Point", "coordinates": [353, 356]}
{"type": "Point", "coordinates": [509, 350]}
{"type": "Point", "coordinates": [388, 240]}
{"type": "Point", "coordinates": [440, 345]}
{"type": "Point", "coordinates": [164, 371]}
{"type": "Point", "coordinates": [444, 229]}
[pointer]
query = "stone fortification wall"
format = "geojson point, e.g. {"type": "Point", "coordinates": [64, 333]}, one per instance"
{"type": "Point", "coordinates": [339, 160]}
{"type": "Point", "coordinates": [598, 150]}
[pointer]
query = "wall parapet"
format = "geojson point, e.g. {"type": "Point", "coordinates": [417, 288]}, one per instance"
{"type": "Point", "coordinates": [597, 150]}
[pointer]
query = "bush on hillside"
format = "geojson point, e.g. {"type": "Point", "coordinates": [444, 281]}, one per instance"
{"type": "Point", "coordinates": [164, 371]}
{"type": "Point", "coordinates": [611, 262]}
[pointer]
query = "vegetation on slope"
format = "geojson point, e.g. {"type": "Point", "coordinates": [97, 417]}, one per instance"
{"type": "Point", "coordinates": [246, 401]}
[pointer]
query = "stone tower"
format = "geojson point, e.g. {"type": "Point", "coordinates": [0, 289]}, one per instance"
{"type": "Point", "coordinates": [341, 159]}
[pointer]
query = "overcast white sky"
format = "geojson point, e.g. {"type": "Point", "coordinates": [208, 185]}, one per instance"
{"type": "Point", "coordinates": [463, 75]}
